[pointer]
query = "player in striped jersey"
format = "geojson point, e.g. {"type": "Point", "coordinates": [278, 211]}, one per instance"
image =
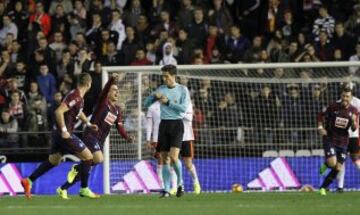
{"type": "Point", "coordinates": [65, 141]}
{"type": "Point", "coordinates": [186, 151]}
{"type": "Point", "coordinates": [105, 115]}
{"type": "Point", "coordinates": [333, 125]}
{"type": "Point", "coordinates": [353, 148]}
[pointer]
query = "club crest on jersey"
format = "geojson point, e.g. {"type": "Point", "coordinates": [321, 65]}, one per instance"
{"type": "Point", "coordinates": [341, 122]}
{"type": "Point", "coordinates": [110, 118]}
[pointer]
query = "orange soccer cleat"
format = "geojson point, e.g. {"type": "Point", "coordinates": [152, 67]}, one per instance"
{"type": "Point", "coordinates": [26, 183]}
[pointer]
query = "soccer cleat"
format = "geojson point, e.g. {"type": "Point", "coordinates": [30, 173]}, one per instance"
{"type": "Point", "coordinates": [323, 169]}
{"type": "Point", "coordinates": [72, 174]}
{"type": "Point", "coordinates": [86, 192]}
{"type": "Point", "coordinates": [197, 188]}
{"type": "Point", "coordinates": [173, 191]}
{"type": "Point", "coordinates": [165, 194]}
{"type": "Point", "coordinates": [62, 193]}
{"type": "Point", "coordinates": [180, 191]}
{"type": "Point", "coordinates": [27, 184]}
{"type": "Point", "coordinates": [322, 191]}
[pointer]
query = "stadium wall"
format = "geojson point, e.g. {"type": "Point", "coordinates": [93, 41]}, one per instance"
{"type": "Point", "coordinates": [240, 173]}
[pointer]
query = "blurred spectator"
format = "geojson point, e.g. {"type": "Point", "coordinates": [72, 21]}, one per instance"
{"type": "Point", "coordinates": [227, 117]}
{"type": "Point", "coordinates": [273, 16]}
{"type": "Point", "coordinates": [288, 26]}
{"type": "Point", "coordinates": [59, 20]}
{"type": "Point", "coordinates": [323, 47]}
{"type": "Point", "coordinates": [266, 107]}
{"type": "Point", "coordinates": [112, 57]}
{"type": "Point", "coordinates": [130, 45]}
{"type": "Point", "coordinates": [34, 95]}
{"type": "Point", "coordinates": [40, 20]}
{"type": "Point", "coordinates": [131, 15]}
{"type": "Point", "coordinates": [236, 45]}
{"type": "Point", "coordinates": [353, 24]}
{"type": "Point", "coordinates": [65, 66]}
{"type": "Point", "coordinates": [343, 41]}
{"type": "Point", "coordinates": [97, 6]}
{"type": "Point", "coordinates": [143, 29]}
{"type": "Point", "coordinates": [83, 62]}
{"type": "Point", "coordinates": [13, 86]}
{"type": "Point", "coordinates": [165, 25]}
{"type": "Point", "coordinates": [47, 83]}
{"type": "Point", "coordinates": [37, 121]}
{"type": "Point", "coordinates": [58, 46]}
{"type": "Point", "coordinates": [94, 31]}
{"type": "Point", "coordinates": [324, 22]}
{"type": "Point", "coordinates": [220, 16]}
{"type": "Point", "coordinates": [117, 26]}
{"type": "Point", "coordinates": [197, 28]}
{"type": "Point", "coordinates": [140, 59]}
{"type": "Point", "coordinates": [168, 58]}
{"type": "Point", "coordinates": [185, 15]}
{"type": "Point", "coordinates": [17, 108]}
{"type": "Point", "coordinates": [8, 27]}
{"type": "Point", "coordinates": [66, 4]}
{"type": "Point", "coordinates": [355, 57]}
{"type": "Point", "coordinates": [252, 54]}
{"type": "Point", "coordinates": [185, 47]}
{"type": "Point", "coordinates": [20, 17]}
{"type": "Point", "coordinates": [292, 113]}
{"type": "Point", "coordinates": [151, 52]}
{"type": "Point", "coordinates": [8, 125]}
{"type": "Point", "coordinates": [21, 75]}
{"type": "Point", "coordinates": [16, 52]}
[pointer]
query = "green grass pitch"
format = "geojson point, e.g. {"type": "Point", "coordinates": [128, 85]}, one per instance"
{"type": "Point", "coordinates": [292, 203]}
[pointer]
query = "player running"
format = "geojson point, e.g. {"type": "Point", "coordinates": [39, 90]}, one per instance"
{"type": "Point", "coordinates": [106, 114]}
{"type": "Point", "coordinates": [333, 126]}
{"type": "Point", "coordinates": [65, 141]}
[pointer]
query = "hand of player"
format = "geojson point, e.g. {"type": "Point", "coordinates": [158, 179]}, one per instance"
{"type": "Point", "coordinates": [158, 95]}
{"type": "Point", "coordinates": [65, 135]}
{"type": "Point", "coordinates": [93, 127]}
{"type": "Point", "coordinates": [164, 100]}
{"type": "Point", "coordinates": [131, 139]}
{"type": "Point", "coordinates": [322, 132]}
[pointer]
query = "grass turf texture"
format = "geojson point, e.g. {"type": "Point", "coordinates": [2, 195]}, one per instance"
{"type": "Point", "coordinates": [214, 203]}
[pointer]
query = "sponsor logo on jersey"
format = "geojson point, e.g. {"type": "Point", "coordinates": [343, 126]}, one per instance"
{"type": "Point", "coordinates": [110, 118]}
{"type": "Point", "coordinates": [341, 122]}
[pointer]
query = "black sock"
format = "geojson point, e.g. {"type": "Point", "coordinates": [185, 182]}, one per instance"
{"type": "Point", "coordinates": [42, 169]}
{"type": "Point", "coordinates": [85, 167]}
{"type": "Point", "coordinates": [329, 178]}
{"type": "Point", "coordinates": [67, 185]}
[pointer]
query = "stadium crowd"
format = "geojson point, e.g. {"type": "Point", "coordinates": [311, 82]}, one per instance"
{"type": "Point", "coordinates": [46, 44]}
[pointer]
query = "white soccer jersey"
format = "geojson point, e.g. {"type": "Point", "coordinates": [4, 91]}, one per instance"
{"type": "Point", "coordinates": [153, 122]}
{"type": "Point", "coordinates": [188, 129]}
{"type": "Point", "coordinates": [356, 103]}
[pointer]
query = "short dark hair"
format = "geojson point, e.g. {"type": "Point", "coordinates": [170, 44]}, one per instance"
{"type": "Point", "coordinates": [170, 69]}
{"type": "Point", "coordinates": [84, 79]}
{"type": "Point", "coordinates": [346, 87]}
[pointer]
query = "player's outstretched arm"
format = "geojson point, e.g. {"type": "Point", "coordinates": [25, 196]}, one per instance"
{"type": "Point", "coordinates": [320, 123]}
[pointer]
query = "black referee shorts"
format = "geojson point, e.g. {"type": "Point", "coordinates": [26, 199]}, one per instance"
{"type": "Point", "coordinates": [170, 134]}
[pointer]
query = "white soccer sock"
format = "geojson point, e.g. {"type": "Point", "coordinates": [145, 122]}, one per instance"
{"type": "Point", "coordinates": [173, 178]}
{"type": "Point", "coordinates": [341, 177]}
{"type": "Point", "coordinates": [159, 173]}
{"type": "Point", "coordinates": [193, 174]}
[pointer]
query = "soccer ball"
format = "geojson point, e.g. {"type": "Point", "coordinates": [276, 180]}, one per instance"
{"type": "Point", "coordinates": [237, 188]}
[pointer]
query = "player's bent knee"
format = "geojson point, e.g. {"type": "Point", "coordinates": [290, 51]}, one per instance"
{"type": "Point", "coordinates": [98, 158]}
